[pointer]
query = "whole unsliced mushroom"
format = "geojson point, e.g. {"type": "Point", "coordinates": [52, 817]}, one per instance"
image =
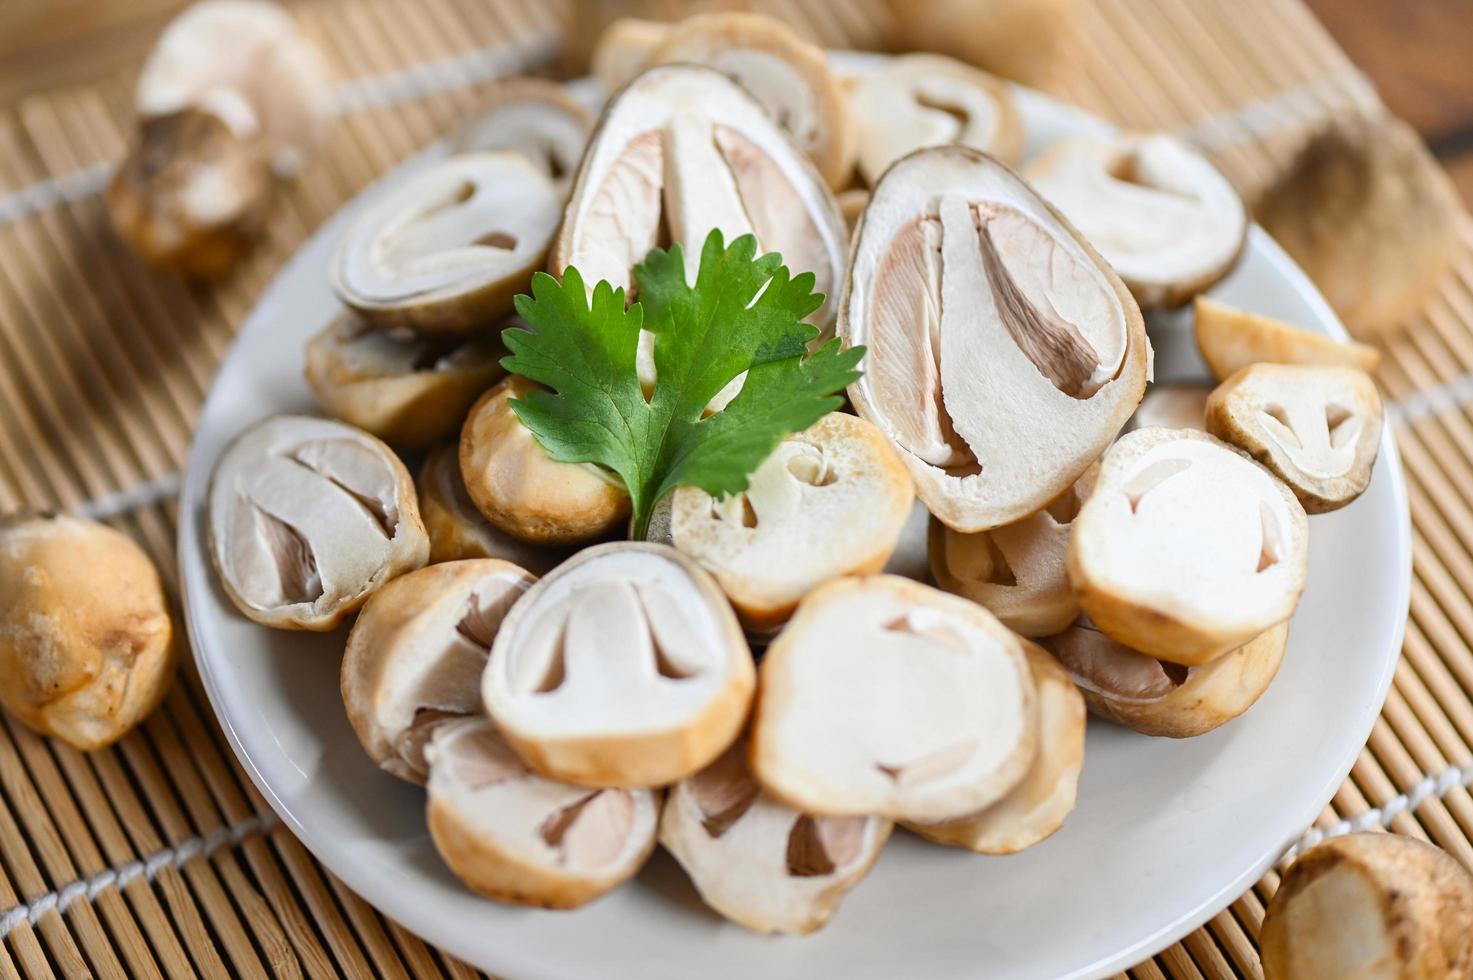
{"type": "Point", "coordinates": [1371, 905]}
{"type": "Point", "coordinates": [622, 667]}
{"type": "Point", "coordinates": [86, 640]}
{"type": "Point", "coordinates": [887, 697]}
{"type": "Point", "coordinates": [307, 518]}
{"type": "Point", "coordinates": [759, 863]}
{"type": "Point", "coordinates": [458, 530]}
{"type": "Point", "coordinates": [1232, 339]}
{"type": "Point", "coordinates": [517, 837]}
{"type": "Point", "coordinates": [416, 653]}
{"type": "Point", "coordinates": [1174, 405]}
{"type": "Point", "coordinates": [1019, 39]}
{"type": "Point", "coordinates": [1004, 354]}
{"type": "Point", "coordinates": [536, 118]}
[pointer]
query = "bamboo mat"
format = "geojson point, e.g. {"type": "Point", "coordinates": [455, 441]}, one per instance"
{"type": "Point", "coordinates": [158, 856]}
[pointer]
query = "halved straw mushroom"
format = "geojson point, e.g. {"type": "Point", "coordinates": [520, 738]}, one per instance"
{"type": "Point", "coordinates": [1231, 339]}
{"type": "Point", "coordinates": [525, 492]}
{"type": "Point", "coordinates": [416, 653]}
{"type": "Point", "coordinates": [1037, 806]}
{"type": "Point", "coordinates": [536, 118]}
{"type": "Point", "coordinates": [623, 667]}
{"type": "Point", "coordinates": [887, 697]}
{"type": "Point", "coordinates": [1016, 571]}
{"type": "Point", "coordinates": [514, 836]}
{"type": "Point", "coordinates": [307, 518]}
{"type": "Point", "coordinates": [1004, 354]}
{"type": "Point", "coordinates": [624, 48]}
{"type": "Point", "coordinates": [1163, 216]}
{"type": "Point", "coordinates": [1316, 428]}
{"type": "Point", "coordinates": [458, 530]}
{"type": "Point", "coordinates": [1187, 548]}
{"type": "Point", "coordinates": [410, 391]}
{"type": "Point", "coordinates": [920, 100]}
{"type": "Point", "coordinates": [1156, 697]}
{"type": "Point", "coordinates": [446, 248]}
{"type": "Point", "coordinates": [759, 863]}
{"type": "Point", "coordinates": [1172, 405]}
{"type": "Point", "coordinates": [1371, 905]}
{"type": "Point", "coordinates": [829, 501]}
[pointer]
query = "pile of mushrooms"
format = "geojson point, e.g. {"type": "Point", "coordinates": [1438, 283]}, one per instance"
{"type": "Point", "coordinates": [1087, 548]}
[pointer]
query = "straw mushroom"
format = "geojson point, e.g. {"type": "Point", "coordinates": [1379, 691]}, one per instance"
{"type": "Point", "coordinates": [1187, 548]}
{"type": "Point", "coordinates": [624, 48]}
{"type": "Point", "coordinates": [86, 640]}
{"type": "Point", "coordinates": [1004, 354]}
{"type": "Point", "coordinates": [522, 490]}
{"type": "Point", "coordinates": [1037, 806]}
{"type": "Point", "coordinates": [307, 518]}
{"type": "Point", "coordinates": [759, 863]}
{"type": "Point", "coordinates": [919, 100]}
{"type": "Point", "coordinates": [536, 118]}
{"type": "Point", "coordinates": [458, 530]}
{"type": "Point", "coordinates": [887, 697]}
{"type": "Point", "coordinates": [829, 501]}
{"type": "Point", "coordinates": [416, 653]}
{"type": "Point", "coordinates": [623, 667]}
{"type": "Point", "coordinates": [1157, 697]}
{"type": "Point", "coordinates": [1371, 905]}
{"type": "Point", "coordinates": [1158, 211]}
{"type": "Point", "coordinates": [446, 248]}
{"type": "Point", "coordinates": [1016, 571]}
{"type": "Point", "coordinates": [1232, 339]}
{"type": "Point", "coordinates": [1316, 428]}
{"type": "Point", "coordinates": [1175, 405]}
{"type": "Point", "coordinates": [517, 837]}
{"type": "Point", "coordinates": [410, 391]}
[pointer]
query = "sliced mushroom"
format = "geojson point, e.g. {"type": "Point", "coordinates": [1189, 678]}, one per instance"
{"type": "Point", "coordinates": [307, 518]}
{"type": "Point", "coordinates": [1004, 355]}
{"type": "Point", "coordinates": [1187, 548]}
{"type": "Point", "coordinates": [409, 390]}
{"type": "Point", "coordinates": [514, 836]}
{"type": "Point", "coordinates": [759, 863]}
{"type": "Point", "coordinates": [1182, 405]}
{"type": "Point", "coordinates": [1315, 428]}
{"type": "Point", "coordinates": [458, 530]}
{"type": "Point", "coordinates": [920, 100]}
{"type": "Point", "coordinates": [852, 204]}
{"type": "Point", "coordinates": [829, 501]}
{"type": "Point", "coordinates": [86, 639]}
{"type": "Point", "coordinates": [887, 697]}
{"type": "Point", "coordinates": [448, 247]}
{"type": "Point", "coordinates": [522, 490]}
{"type": "Point", "coordinates": [1156, 697]}
{"type": "Point", "coordinates": [1016, 571]}
{"type": "Point", "coordinates": [1026, 40]}
{"type": "Point", "coordinates": [536, 118]}
{"type": "Point", "coordinates": [623, 667]}
{"type": "Point", "coordinates": [1158, 211]}
{"type": "Point", "coordinates": [624, 48]}
{"type": "Point", "coordinates": [1232, 339]}
{"type": "Point", "coordinates": [1037, 806]}
{"type": "Point", "coordinates": [1371, 905]}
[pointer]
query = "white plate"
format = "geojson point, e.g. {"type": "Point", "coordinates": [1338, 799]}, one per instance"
{"type": "Point", "coordinates": [1165, 835]}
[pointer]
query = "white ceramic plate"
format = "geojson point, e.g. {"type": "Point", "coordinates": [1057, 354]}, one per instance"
{"type": "Point", "coordinates": [1165, 835]}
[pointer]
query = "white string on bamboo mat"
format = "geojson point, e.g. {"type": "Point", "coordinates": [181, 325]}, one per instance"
{"type": "Point", "coordinates": [133, 498]}
{"type": "Point", "coordinates": [170, 857]}
{"type": "Point", "coordinates": [1288, 109]}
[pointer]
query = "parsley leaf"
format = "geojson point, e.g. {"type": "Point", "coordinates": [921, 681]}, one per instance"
{"type": "Point", "coordinates": [706, 335]}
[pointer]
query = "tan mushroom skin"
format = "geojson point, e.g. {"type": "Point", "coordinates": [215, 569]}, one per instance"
{"type": "Point", "coordinates": [458, 530]}
{"type": "Point", "coordinates": [1232, 339]}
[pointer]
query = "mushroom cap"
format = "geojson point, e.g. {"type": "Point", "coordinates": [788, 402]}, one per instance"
{"type": "Point", "coordinates": [86, 640]}
{"type": "Point", "coordinates": [757, 862]}
{"type": "Point", "coordinates": [919, 100]}
{"type": "Point", "coordinates": [408, 390]}
{"type": "Point", "coordinates": [624, 666]}
{"type": "Point", "coordinates": [1165, 699]}
{"type": "Point", "coordinates": [1004, 355]}
{"type": "Point", "coordinates": [1187, 548]}
{"type": "Point", "coordinates": [1370, 905]}
{"type": "Point", "coordinates": [1316, 428]}
{"type": "Point", "coordinates": [458, 530]}
{"type": "Point", "coordinates": [829, 501]}
{"type": "Point", "coordinates": [448, 247]}
{"type": "Point", "coordinates": [416, 653]}
{"type": "Point", "coordinates": [517, 837]}
{"type": "Point", "coordinates": [1015, 571]}
{"type": "Point", "coordinates": [1232, 339]}
{"type": "Point", "coordinates": [624, 48]}
{"type": "Point", "coordinates": [1172, 405]}
{"type": "Point", "coordinates": [1163, 216]}
{"type": "Point", "coordinates": [1037, 806]}
{"type": "Point", "coordinates": [525, 492]}
{"type": "Point", "coordinates": [307, 518]}
{"type": "Point", "coordinates": [1019, 39]}
{"type": "Point", "coordinates": [884, 696]}
{"type": "Point", "coordinates": [536, 118]}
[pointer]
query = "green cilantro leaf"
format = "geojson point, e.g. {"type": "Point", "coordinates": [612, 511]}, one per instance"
{"type": "Point", "coordinates": [705, 335]}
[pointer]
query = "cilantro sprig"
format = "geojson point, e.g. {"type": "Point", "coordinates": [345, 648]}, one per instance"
{"type": "Point", "coordinates": [705, 336]}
